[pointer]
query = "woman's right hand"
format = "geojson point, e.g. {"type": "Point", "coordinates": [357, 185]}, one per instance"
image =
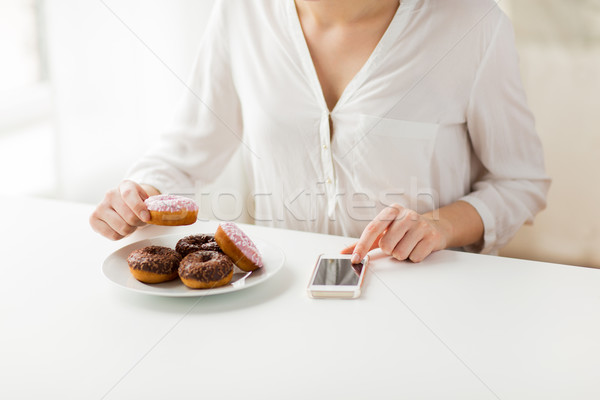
{"type": "Point", "coordinates": [122, 211]}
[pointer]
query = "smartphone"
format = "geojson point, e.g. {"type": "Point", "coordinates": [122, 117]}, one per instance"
{"type": "Point", "coordinates": [334, 276]}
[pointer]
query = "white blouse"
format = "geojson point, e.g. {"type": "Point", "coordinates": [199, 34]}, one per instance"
{"type": "Point", "coordinates": [437, 114]}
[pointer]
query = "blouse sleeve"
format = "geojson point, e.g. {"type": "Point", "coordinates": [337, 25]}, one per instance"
{"type": "Point", "coordinates": [208, 124]}
{"type": "Point", "coordinates": [514, 184]}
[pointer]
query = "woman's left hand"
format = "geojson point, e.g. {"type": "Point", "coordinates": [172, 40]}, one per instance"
{"type": "Point", "coordinates": [401, 233]}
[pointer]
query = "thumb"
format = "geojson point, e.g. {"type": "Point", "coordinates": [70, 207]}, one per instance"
{"type": "Point", "coordinates": [134, 195]}
{"type": "Point", "coordinates": [350, 249]}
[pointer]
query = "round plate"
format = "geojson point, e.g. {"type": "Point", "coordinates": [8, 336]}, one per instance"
{"type": "Point", "coordinates": [115, 268]}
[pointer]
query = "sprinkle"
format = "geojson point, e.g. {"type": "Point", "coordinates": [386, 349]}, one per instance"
{"type": "Point", "coordinates": [242, 241]}
{"type": "Point", "coordinates": [170, 203]}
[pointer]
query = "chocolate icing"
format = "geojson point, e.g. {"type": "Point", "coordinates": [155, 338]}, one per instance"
{"type": "Point", "coordinates": [205, 266]}
{"type": "Point", "coordinates": [190, 244]}
{"type": "Point", "coordinates": [157, 259]}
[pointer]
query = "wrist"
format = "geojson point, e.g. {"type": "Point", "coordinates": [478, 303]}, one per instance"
{"type": "Point", "coordinates": [443, 226]}
{"type": "Point", "coordinates": [459, 223]}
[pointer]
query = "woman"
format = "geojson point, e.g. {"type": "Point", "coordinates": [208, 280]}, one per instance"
{"type": "Point", "coordinates": [402, 123]}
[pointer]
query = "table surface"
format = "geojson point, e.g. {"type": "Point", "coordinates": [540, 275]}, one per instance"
{"type": "Point", "coordinates": [456, 326]}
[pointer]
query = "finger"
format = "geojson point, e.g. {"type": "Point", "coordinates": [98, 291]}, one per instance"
{"type": "Point", "coordinates": [372, 232]}
{"type": "Point", "coordinates": [350, 249]}
{"type": "Point", "coordinates": [117, 223]}
{"type": "Point", "coordinates": [119, 205]}
{"type": "Point", "coordinates": [134, 195]}
{"type": "Point", "coordinates": [405, 246]}
{"type": "Point", "coordinates": [397, 230]}
{"type": "Point", "coordinates": [423, 249]}
{"type": "Point", "coordinates": [104, 229]}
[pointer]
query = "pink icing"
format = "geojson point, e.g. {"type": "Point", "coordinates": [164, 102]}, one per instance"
{"type": "Point", "coordinates": [242, 241]}
{"type": "Point", "coordinates": [170, 203]}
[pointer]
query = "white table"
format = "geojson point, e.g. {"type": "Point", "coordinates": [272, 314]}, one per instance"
{"type": "Point", "coordinates": [457, 326]}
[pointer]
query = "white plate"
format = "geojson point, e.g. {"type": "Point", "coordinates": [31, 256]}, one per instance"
{"type": "Point", "coordinates": [115, 268]}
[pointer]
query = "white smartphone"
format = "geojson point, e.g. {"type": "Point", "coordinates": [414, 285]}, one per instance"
{"type": "Point", "coordinates": [334, 276]}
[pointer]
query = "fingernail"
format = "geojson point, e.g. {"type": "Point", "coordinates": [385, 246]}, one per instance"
{"type": "Point", "coordinates": [355, 258]}
{"type": "Point", "coordinates": [145, 216]}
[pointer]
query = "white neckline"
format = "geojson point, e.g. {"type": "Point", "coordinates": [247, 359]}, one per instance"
{"type": "Point", "coordinates": [392, 31]}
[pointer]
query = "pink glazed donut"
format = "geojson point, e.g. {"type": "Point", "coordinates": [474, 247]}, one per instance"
{"type": "Point", "coordinates": [238, 246]}
{"type": "Point", "coordinates": [168, 209]}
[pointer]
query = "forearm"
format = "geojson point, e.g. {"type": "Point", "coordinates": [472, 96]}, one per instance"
{"type": "Point", "coordinates": [459, 222]}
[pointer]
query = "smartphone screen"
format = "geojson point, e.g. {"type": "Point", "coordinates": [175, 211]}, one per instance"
{"type": "Point", "coordinates": [337, 271]}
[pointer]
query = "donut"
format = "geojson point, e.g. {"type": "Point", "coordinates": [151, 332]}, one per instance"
{"type": "Point", "coordinates": [154, 264]}
{"type": "Point", "coordinates": [192, 243]}
{"type": "Point", "coordinates": [171, 210]}
{"type": "Point", "coordinates": [238, 246]}
{"type": "Point", "coordinates": [205, 270]}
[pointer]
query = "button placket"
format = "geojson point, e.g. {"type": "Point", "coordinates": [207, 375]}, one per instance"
{"type": "Point", "coordinates": [327, 161]}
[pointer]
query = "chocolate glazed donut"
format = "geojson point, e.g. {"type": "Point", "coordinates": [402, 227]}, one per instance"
{"type": "Point", "coordinates": [154, 264]}
{"type": "Point", "coordinates": [206, 270]}
{"type": "Point", "coordinates": [192, 243]}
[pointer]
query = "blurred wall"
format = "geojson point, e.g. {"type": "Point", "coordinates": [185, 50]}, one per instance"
{"type": "Point", "coordinates": [116, 67]}
{"type": "Point", "coordinates": [559, 47]}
